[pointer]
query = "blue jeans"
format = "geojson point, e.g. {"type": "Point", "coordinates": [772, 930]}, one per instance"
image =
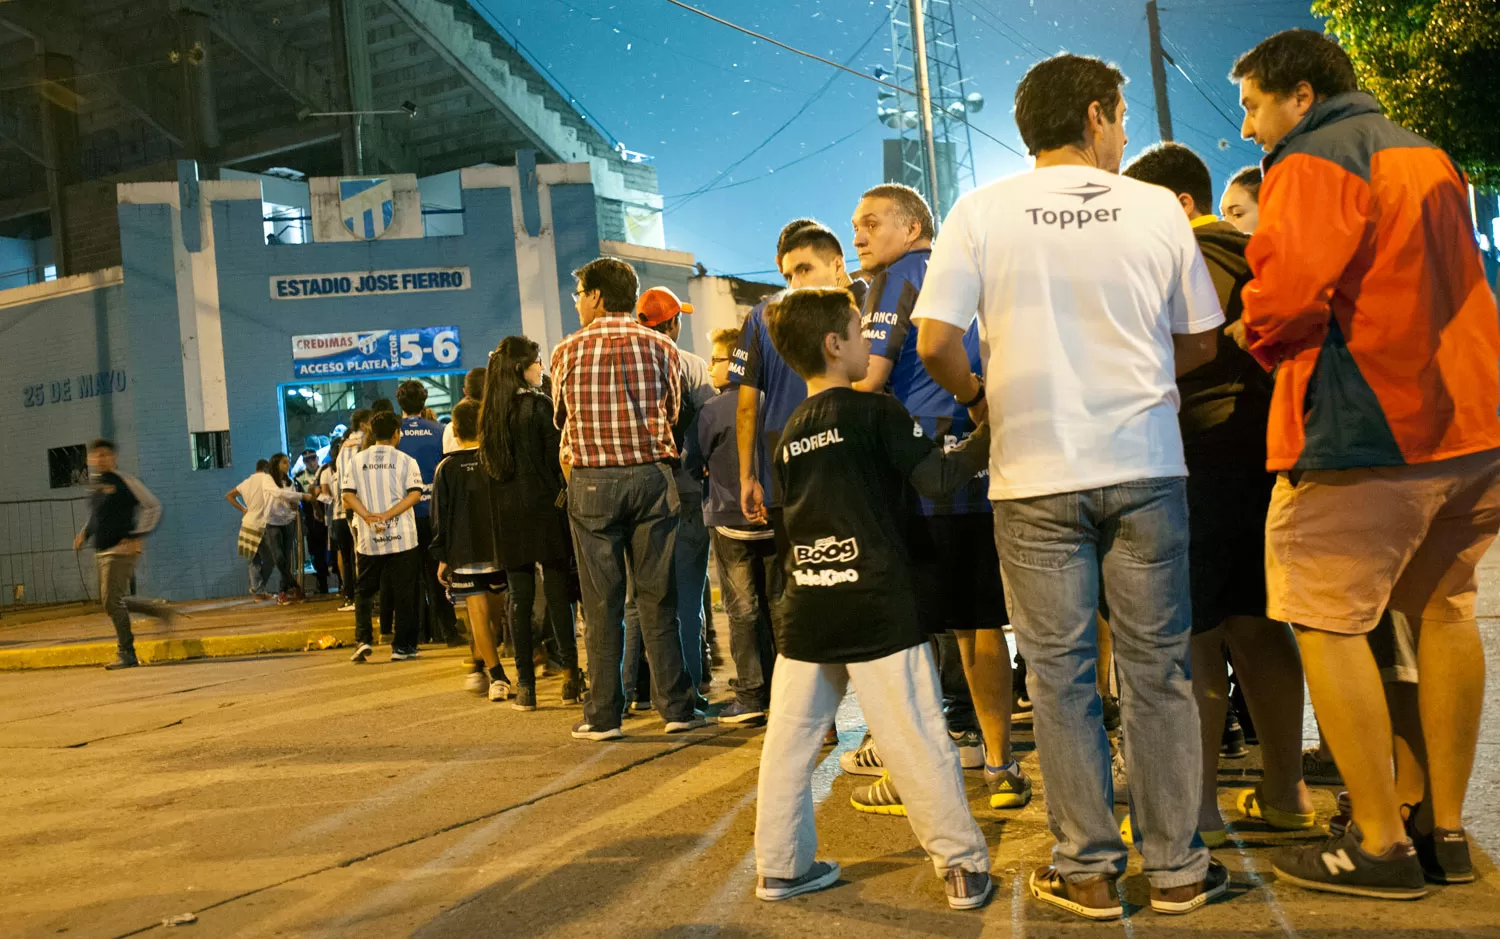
{"type": "Point", "coordinates": [750, 580]}
{"type": "Point", "coordinates": [1053, 551]}
{"type": "Point", "coordinates": [625, 519]}
{"type": "Point", "coordinates": [690, 564]}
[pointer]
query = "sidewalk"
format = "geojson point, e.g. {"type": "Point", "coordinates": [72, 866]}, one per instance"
{"type": "Point", "coordinates": [80, 634]}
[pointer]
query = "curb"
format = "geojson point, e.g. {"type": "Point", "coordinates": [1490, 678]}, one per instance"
{"type": "Point", "coordinates": [151, 651]}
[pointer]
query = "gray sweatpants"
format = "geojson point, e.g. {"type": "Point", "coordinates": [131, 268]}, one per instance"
{"type": "Point", "coordinates": [902, 701]}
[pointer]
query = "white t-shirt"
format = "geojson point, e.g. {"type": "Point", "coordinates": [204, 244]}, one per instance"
{"type": "Point", "coordinates": [450, 439]}
{"type": "Point", "coordinates": [1080, 278]}
{"type": "Point", "coordinates": [256, 492]}
{"type": "Point", "coordinates": [327, 484]}
{"type": "Point", "coordinates": [382, 476]}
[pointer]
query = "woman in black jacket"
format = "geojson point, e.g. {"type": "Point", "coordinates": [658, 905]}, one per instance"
{"type": "Point", "coordinates": [518, 446]}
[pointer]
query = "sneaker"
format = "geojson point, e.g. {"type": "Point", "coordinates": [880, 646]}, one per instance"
{"type": "Point", "coordinates": [1251, 805]}
{"type": "Point", "coordinates": [1094, 897]}
{"type": "Point", "coordinates": [477, 682]}
{"type": "Point", "coordinates": [705, 687]}
{"type": "Point", "coordinates": [573, 688]}
{"type": "Point", "coordinates": [1020, 702]}
{"type": "Point", "coordinates": [525, 699]}
{"type": "Point", "coordinates": [586, 731]}
{"type": "Point", "coordinates": [1120, 778]}
{"type": "Point", "coordinates": [831, 739]}
{"type": "Point", "coordinates": [1232, 746]}
{"type": "Point", "coordinates": [880, 798]}
{"type": "Point", "coordinates": [122, 662]}
{"type": "Point", "coordinates": [737, 713]}
{"type": "Point", "coordinates": [1111, 713]}
{"type": "Point", "coordinates": [968, 890]}
{"type": "Point", "coordinates": [1343, 816]}
{"type": "Point", "coordinates": [361, 652]}
{"type": "Point", "coordinates": [820, 876]}
{"type": "Point", "coordinates": [347, 607]}
{"type": "Point", "coordinates": [699, 719]}
{"type": "Point", "coordinates": [499, 689]}
{"type": "Point", "coordinates": [1188, 897]}
{"type": "Point", "coordinates": [970, 748]}
{"type": "Point", "coordinates": [1009, 786]}
{"type": "Point", "coordinates": [640, 707]}
{"type": "Point", "coordinates": [1320, 772]}
{"type": "Point", "coordinates": [1341, 865]}
{"type": "Point", "coordinates": [862, 762]}
{"type": "Point", "coordinates": [404, 655]}
{"type": "Point", "coordinates": [1444, 855]}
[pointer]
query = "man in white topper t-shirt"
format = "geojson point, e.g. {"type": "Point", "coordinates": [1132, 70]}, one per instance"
{"type": "Point", "coordinates": [1093, 297]}
{"type": "Point", "coordinates": [381, 485]}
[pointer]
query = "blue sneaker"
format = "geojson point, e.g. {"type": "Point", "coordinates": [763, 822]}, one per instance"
{"type": "Point", "coordinates": [820, 876]}
{"type": "Point", "coordinates": [738, 713]}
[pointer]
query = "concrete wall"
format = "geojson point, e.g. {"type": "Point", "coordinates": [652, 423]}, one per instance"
{"type": "Point", "coordinates": [58, 338]}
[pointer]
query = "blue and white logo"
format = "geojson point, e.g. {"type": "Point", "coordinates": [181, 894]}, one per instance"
{"type": "Point", "coordinates": [366, 206]}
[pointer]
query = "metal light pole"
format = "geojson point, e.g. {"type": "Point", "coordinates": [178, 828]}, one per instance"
{"type": "Point", "coordinates": [1158, 73]}
{"type": "Point", "coordinates": [924, 103]}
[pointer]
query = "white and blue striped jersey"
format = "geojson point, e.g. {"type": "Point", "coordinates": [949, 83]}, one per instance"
{"type": "Point", "coordinates": [382, 476]}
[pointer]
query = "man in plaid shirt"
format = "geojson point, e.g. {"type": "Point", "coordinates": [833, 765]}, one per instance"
{"type": "Point", "coordinates": [618, 389]}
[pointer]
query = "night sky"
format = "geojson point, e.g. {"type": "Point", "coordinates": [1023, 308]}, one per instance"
{"type": "Point", "coordinates": [699, 96]}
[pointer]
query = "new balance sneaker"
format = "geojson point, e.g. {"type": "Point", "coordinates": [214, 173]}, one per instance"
{"type": "Point", "coordinates": [525, 699]}
{"type": "Point", "coordinates": [499, 689]}
{"type": "Point", "coordinates": [573, 688]}
{"type": "Point", "coordinates": [699, 719]}
{"type": "Point", "coordinates": [1188, 897]}
{"type": "Point", "coordinates": [820, 876]}
{"type": "Point", "coordinates": [1320, 772]}
{"type": "Point", "coordinates": [361, 652]}
{"type": "Point", "coordinates": [738, 713]}
{"type": "Point", "coordinates": [586, 731]}
{"type": "Point", "coordinates": [970, 748]}
{"type": "Point", "coordinates": [404, 655]}
{"type": "Point", "coordinates": [968, 890]}
{"type": "Point", "coordinates": [862, 762]}
{"type": "Point", "coordinates": [881, 798]}
{"type": "Point", "coordinates": [1095, 898]}
{"type": "Point", "coordinates": [1443, 852]}
{"type": "Point", "coordinates": [1341, 865]}
{"type": "Point", "coordinates": [1009, 786]}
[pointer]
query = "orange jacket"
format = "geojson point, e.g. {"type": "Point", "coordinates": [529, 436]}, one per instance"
{"type": "Point", "coordinates": [1370, 296]}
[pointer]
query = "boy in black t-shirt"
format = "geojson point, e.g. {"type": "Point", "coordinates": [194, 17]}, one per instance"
{"type": "Point", "coordinates": [845, 465]}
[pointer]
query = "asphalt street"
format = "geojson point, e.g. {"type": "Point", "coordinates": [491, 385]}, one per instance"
{"type": "Point", "coordinates": [301, 795]}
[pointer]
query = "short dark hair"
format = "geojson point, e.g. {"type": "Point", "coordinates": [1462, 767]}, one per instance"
{"type": "Point", "coordinates": [385, 425]}
{"type": "Point", "coordinates": [412, 396]}
{"type": "Point", "coordinates": [102, 443]}
{"type": "Point", "coordinates": [1177, 168]}
{"type": "Point", "coordinates": [382, 404]}
{"type": "Point", "coordinates": [262, 466]}
{"type": "Point", "coordinates": [1248, 179]}
{"type": "Point", "coordinates": [809, 234]}
{"type": "Point", "coordinates": [908, 202]}
{"type": "Point", "coordinates": [309, 450]}
{"type": "Point", "coordinates": [1282, 62]}
{"type": "Point", "coordinates": [615, 280]}
{"type": "Point", "coordinates": [1052, 101]}
{"type": "Point", "coordinates": [466, 419]}
{"type": "Point", "coordinates": [799, 320]}
{"type": "Point", "coordinates": [474, 383]}
{"type": "Point", "coordinates": [360, 417]}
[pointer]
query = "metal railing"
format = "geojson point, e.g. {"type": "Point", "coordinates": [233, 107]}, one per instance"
{"type": "Point", "coordinates": [37, 561]}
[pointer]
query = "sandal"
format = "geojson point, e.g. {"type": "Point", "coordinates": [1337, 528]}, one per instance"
{"type": "Point", "coordinates": [1251, 805]}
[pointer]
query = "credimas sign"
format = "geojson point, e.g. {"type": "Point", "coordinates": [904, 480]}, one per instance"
{"type": "Point", "coordinates": [366, 283]}
{"type": "Point", "coordinates": [374, 353]}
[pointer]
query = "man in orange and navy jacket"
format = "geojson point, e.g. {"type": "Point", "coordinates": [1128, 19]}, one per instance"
{"type": "Point", "coordinates": [1369, 301]}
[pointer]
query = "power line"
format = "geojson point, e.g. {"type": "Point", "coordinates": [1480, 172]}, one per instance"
{"type": "Point", "coordinates": [1213, 88]}
{"type": "Point", "coordinates": [806, 156]}
{"type": "Point", "coordinates": [1004, 30]}
{"type": "Point", "coordinates": [1206, 97]}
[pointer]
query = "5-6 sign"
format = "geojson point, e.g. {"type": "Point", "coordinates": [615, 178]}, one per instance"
{"type": "Point", "coordinates": [384, 351]}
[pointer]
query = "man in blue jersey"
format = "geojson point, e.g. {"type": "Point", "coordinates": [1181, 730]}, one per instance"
{"type": "Point", "coordinates": [422, 440]}
{"type": "Point", "coordinates": [958, 571]}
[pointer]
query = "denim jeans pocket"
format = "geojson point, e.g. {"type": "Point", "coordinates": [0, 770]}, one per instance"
{"type": "Point", "coordinates": [593, 497]}
{"type": "Point", "coordinates": [1040, 533]}
{"type": "Point", "coordinates": [1153, 519]}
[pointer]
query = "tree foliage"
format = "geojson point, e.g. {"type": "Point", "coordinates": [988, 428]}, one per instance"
{"type": "Point", "coordinates": [1435, 66]}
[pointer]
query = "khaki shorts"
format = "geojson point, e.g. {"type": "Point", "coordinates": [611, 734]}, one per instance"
{"type": "Point", "coordinates": [1342, 545]}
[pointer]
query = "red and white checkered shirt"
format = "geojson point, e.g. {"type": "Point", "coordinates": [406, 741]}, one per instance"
{"type": "Point", "coordinates": [618, 386]}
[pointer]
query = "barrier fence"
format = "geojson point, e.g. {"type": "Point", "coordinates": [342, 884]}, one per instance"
{"type": "Point", "coordinates": [37, 561]}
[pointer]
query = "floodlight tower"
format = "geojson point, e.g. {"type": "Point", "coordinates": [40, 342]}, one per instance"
{"type": "Point", "coordinates": [906, 156]}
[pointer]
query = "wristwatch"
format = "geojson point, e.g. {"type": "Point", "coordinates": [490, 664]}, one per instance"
{"type": "Point", "coordinates": [978, 396]}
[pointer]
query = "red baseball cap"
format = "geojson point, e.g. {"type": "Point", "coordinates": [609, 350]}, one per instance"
{"type": "Point", "coordinates": [658, 305]}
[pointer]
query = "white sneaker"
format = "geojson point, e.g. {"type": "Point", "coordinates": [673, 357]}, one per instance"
{"type": "Point", "coordinates": [862, 762]}
{"type": "Point", "coordinates": [347, 608]}
{"type": "Point", "coordinates": [361, 653]}
{"type": "Point", "coordinates": [499, 690]}
{"type": "Point", "coordinates": [476, 682]}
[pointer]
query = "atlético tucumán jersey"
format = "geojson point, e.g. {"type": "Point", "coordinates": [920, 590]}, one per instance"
{"type": "Point", "coordinates": [381, 476]}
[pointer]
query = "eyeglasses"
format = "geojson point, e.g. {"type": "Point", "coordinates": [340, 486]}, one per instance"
{"type": "Point", "coordinates": [718, 358]}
